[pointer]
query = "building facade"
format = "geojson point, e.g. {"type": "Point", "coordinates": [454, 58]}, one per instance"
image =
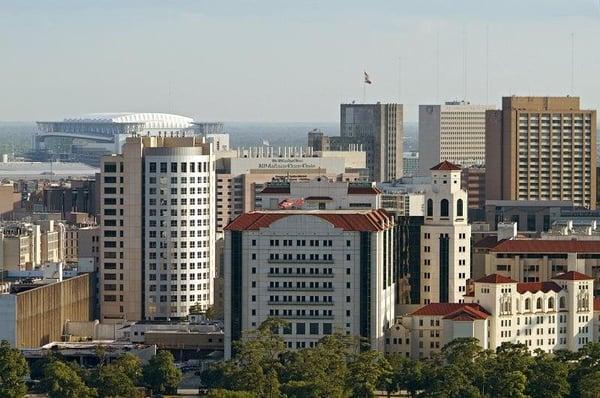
{"type": "Point", "coordinates": [244, 174]}
{"type": "Point", "coordinates": [158, 228]}
{"type": "Point", "coordinates": [322, 271]}
{"type": "Point", "coordinates": [541, 148]}
{"type": "Point", "coordinates": [378, 128]}
{"type": "Point", "coordinates": [454, 131]}
{"type": "Point", "coordinates": [445, 238]}
{"type": "Point", "coordinates": [550, 316]}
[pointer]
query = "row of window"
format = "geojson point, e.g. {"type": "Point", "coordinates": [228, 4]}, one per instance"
{"type": "Point", "coordinates": [175, 167]}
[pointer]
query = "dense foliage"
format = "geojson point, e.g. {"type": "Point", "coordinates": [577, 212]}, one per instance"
{"type": "Point", "coordinates": [338, 368]}
{"type": "Point", "coordinates": [59, 378]}
{"type": "Point", "coordinates": [13, 369]}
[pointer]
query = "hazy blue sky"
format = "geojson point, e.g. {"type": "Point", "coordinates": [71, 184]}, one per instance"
{"type": "Point", "coordinates": [278, 60]}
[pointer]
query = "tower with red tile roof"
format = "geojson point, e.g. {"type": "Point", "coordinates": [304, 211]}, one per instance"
{"type": "Point", "coordinates": [445, 237]}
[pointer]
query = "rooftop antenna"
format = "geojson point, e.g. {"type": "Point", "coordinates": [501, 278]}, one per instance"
{"type": "Point", "coordinates": [572, 63]}
{"type": "Point", "coordinates": [399, 79]}
{"type": "Point", "coordinates": [437, 67]}
{"type": "Point", "coordinates": [464, 63]}
{"type": "Point", "coordinates": [487, 64]}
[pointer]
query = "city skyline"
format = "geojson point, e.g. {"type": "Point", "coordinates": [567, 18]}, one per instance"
{"type": "Point", "coordinates": [215, 61]}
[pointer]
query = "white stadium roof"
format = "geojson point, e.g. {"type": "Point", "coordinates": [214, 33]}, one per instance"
{"type": "Point", "coordinates": [152, 120]}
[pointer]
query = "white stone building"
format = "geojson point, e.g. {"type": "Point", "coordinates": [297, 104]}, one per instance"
{"type": "Point", "coordinates": [552, 315]}
{"type": "Point", "coordinates": [323, 271]}
{"type": "Point", "coordinates": [445, 238]}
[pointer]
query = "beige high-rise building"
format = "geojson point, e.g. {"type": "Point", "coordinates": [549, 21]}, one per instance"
{"type": "Point", "coordinates": [454, 132]}
{"type": "Point", "coordinates": [541, 148]}
{"type": "Point", "coordinates": [158, 229]}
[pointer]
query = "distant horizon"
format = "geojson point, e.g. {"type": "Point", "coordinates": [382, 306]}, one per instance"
{"type": "Point", "coordinates": [267, 60]}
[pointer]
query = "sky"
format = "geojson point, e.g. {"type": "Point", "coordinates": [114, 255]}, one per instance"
{"type": "Point", "coordinates": [289, 61]}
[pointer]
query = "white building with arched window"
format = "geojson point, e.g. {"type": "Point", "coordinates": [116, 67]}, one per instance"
{"type": "Point", "coordinates": [445, 238]}
{"type": "Point", "coordinates": [552, 315]}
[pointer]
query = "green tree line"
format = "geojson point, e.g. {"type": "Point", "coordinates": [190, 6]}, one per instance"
{"type": "Point", "coordinates": [124, 377]}
{"type": "Point", "coordinates": [337, 368]}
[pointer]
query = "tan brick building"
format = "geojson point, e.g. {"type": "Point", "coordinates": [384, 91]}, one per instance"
{"type": "Point", "coordinates": [541, 148]}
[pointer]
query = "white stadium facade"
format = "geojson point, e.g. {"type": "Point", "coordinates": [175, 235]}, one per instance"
{"type": "Point", "coordinates": [86, 138]}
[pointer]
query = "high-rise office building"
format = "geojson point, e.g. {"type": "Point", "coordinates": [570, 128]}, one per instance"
{"type": "Point", "coordinates": [321, 270]}
{"type": "Point", "coordinates": [158, 228]}
{"type": "Point", "coordinates": [454, 131]}
{"type": "Point", "coordinates": [445, 238]}
{"type": "Point", "coordinates": [541, 148]}
{"type": "Point", "coordinates": [379, 129]}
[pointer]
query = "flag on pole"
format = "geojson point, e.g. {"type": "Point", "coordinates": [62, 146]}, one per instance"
{"type": "Point", "coordinates": [367, 78]}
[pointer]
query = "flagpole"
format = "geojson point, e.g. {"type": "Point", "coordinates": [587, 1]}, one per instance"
{"type": "Point", "coordinates": [364, 92]}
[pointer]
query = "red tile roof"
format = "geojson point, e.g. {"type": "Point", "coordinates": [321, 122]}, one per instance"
{"type": "Point", "coordinates": [547, 246]}
{"type": "Point", "coordinates": [275, 190]}
{"type": "Point", "coordinates": [486, 243]}
{"type": "Point", "coordinates": [375, 220]}
{"type": "Point", "coordinates": [535, 287]}
{"type": "Point", "coordinates": [443, 309]}
{"type": "Point", "coordinates": [363, 190]}
{"type": "Point", "coordinates": [596, 303]}
{"type": "Point", "coordinates": [573, 276]}
{"type": "Point", "coordinates": [446, 166]}
{"type": "Point", "coordinates": [467, 313]}
{"type": "Point", "coordinates": [495, 278]}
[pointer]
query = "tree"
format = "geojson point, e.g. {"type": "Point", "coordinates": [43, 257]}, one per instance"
{"type": "Point", "coordinates": [317, 371]}
{"type": "Point", "coordinates": [62, 381]}
{"type": "Point", "coordinates": [587, 364]}
{"type": "Point", "coordinates": [508, 385]}
{"type": "Point", "coordinates": [257, 362]}
{"type": "Point", "coordinates": [160, 374]}
{"type": "Point", "coordinates": [406, 374]}
{"type": "Point", "coordinates": [112, 381]}
{"type": "Point", "coordinates": [131, 366]}
{"type": "Point", "coordinates": [547, 377]}
{"type": "Point", "coordinates": [221, 393]}
{"type": "Point", "coordinates": [366, 371]}
{"type": "Point", "coordinates": [446, 381]}
{"type": "Point", "coordinates": [13, 369]}
{"type": "Point", "coordinates": [589, 387]}
{"type": "Point", "coordinates": [468, 356]}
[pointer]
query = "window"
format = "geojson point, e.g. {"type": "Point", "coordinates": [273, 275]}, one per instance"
{"type": "Point", "coordinates": [527, 304]}
{"type": "Point", "coordinates": [314, 328]}
{"type": "Point", "coordinates": [561, 302]}
{"type": "Point", "coordinates": [538, 304]}
{"type": "Point", "coordinates": [550, 303]}
{"type": "Point", "coordinates": [300, 328]}
{"type": "Point", "coordinates": [327, 329]}
{"type": "Point", "coordinates": [429, 207]}
{"type": "Point", "coordinates": [444, 208]}
{"type": "Point", "coordinates": [110, 167]}
{"type": "Point", "coordinates": [459, 208]}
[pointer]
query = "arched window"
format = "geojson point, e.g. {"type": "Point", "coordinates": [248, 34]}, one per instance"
{"type": "Point", "coordinates": [429, 207]}
{"type": "Point", "coordinates": [444, 208]}
{"type": "Point", "coordinates": [561, 302]}
{"type": "Point", "coordinates": [459, 208]}
{"type": "Point", "coordinates": [538, 304]}
{"type": "Point", "coordinates": [527, 304]}
{"type": "Point", "coordinates": [551, 303]}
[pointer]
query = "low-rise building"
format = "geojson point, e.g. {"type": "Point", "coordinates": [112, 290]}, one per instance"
{"type": "Point", "coordinates": [553, 315]}
{"type": "Point", "coordinates": [34, 313]}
